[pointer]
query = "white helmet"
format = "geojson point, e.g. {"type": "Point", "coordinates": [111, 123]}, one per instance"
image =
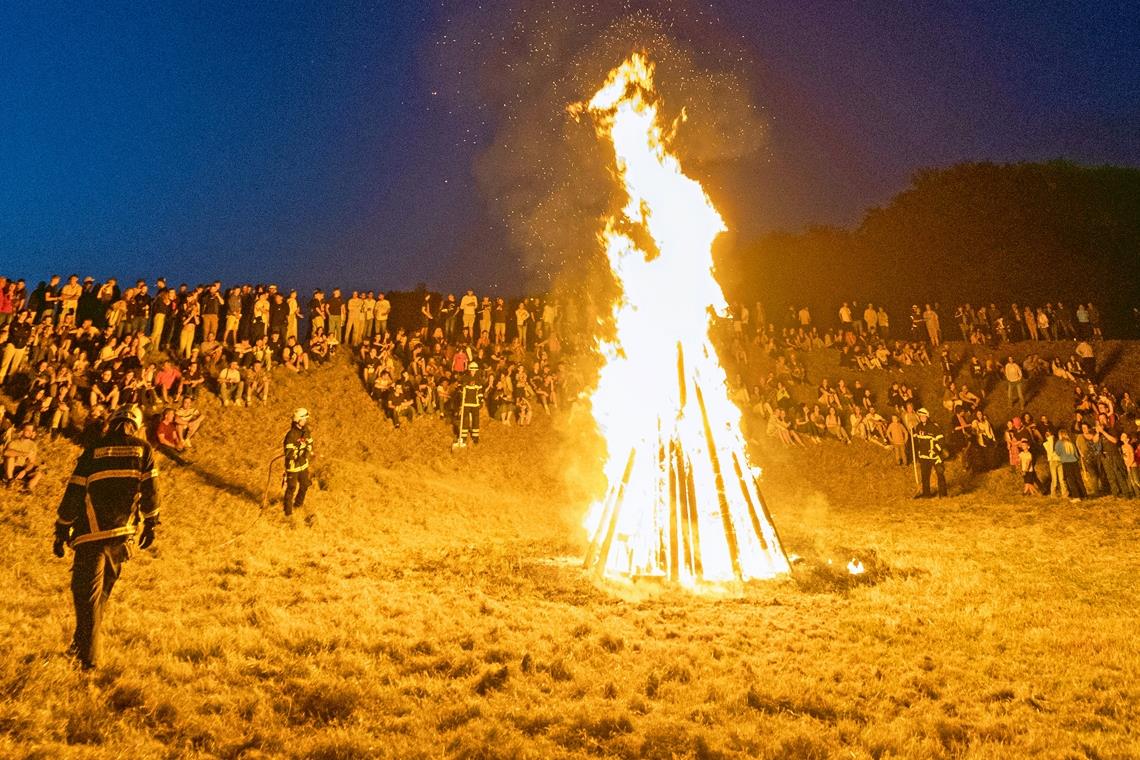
{"type": "Point", "coordinates": [300, 414]}
{"type": "Point", "coordinates": [127, 414]}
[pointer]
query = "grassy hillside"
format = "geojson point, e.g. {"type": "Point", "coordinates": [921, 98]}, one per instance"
{"type": "Point", "coordinates": [437, 608]}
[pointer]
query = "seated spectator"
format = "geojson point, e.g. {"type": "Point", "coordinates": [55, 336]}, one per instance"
{"type": "Point", "coordinates": [168, 437]}
{"type": "Point", "coordinates": [168, 383]}
{"type": "Point", "coordinates": [193, 379]}
{"type": "Point", "coordinates": [21, 460]}
{"type": "Point", "coordinates": [257, 384]}
{"type": "Point", "coordinates": [294, 356]}
{"type": "Point", "coordinates": [833, 423]}
{"type": "Point", "coordinates": [104, 391]}
{"type": "Point", "coordinates": [188, 420]}
{"type": "Point", "coordinates": [231, 385]}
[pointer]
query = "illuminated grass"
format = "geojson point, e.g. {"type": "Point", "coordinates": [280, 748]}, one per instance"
{"type": "Point", "coordinates": [429, 613]}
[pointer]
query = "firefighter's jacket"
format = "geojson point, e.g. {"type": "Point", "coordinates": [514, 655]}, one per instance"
{"type": "Point", "coordinates": [928, 441]}
{"type": "Point", "coordinates": [471, 396]}
{"type": "Point", "coordinates": [113, 484]}
{"type": "Point", "coordinates": [298, 449]}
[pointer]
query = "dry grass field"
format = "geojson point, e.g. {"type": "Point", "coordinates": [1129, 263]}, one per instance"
{"type": "Point", "coordinates": [437, 609]}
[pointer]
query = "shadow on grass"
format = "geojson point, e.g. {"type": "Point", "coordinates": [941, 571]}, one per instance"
{"type": "Point", "coordinates": [221, 482]}
{"type": "Point", "coordinates": [1115, 354]}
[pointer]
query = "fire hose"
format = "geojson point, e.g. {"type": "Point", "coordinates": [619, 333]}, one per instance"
{"type": "Point", "coordinates": [261, 507]}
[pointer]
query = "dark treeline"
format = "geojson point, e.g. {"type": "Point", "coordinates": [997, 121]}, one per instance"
{"type": "Point", "coordinates": [976, 232]}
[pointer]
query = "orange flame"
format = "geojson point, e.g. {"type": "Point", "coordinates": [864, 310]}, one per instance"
{"type": "Point", "coordinates": [683, 502]}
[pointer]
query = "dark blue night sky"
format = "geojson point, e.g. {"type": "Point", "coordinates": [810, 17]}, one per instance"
{"type": "Point", "coordinates": [309, 142]}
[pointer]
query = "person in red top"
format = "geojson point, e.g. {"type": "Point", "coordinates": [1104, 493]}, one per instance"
{"type": "Point", "coordinates": [168, 382]}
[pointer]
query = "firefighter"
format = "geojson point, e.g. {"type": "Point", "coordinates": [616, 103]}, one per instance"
{"type": "Point", "coordinates": [927, 437]}
{"type": "Point", "coordinates": [470, 402]}
{"type": "Point", "coordinates": [111, 489]}
{"type": "Point", "coordinates": [298, 452]}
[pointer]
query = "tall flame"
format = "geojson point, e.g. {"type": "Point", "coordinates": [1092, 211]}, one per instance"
{"type": "Point", "coordinates": [682, 502]}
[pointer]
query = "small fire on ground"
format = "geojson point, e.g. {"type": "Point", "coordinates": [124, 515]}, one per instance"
{"type": "Point", "coordinates": [682, 504]}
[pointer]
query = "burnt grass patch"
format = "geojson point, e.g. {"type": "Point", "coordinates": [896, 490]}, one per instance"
{"type": "Point", "coordinates": [819, 575]}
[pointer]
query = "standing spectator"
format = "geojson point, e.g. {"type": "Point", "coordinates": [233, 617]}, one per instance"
{"type": "Point", "coordinates": [383, 309]}
{"type": "Point", "coordinates": [485, 314]}
{"type": "Point", "coordinates": [318, 313]}
{"type": "Point", "coordinates": [210, 307]}
{"type": "Point", "coordinates": [933, 325]}
{"type": "Point", "coordinates": [468, 305]}
{"type": "Point", "coordinates": [191, 317]}
{"type": "Point", "coordinates": [499, 317]}
{"type": "Point", "coordinates": [1015, 378]}
{"type": "Point", "coordinates": [368, 315]}
{"type": "Point", "coordinates": [293, 315]}
{"type": "Point", "coordinates": [1028, 474]}
{"type": "Point", "coordinates": [1086, 358]}
{"type": "Point", "coordinates": [354, 326]}
{"type": "Point", "coordinates": [1128, 451]}
{"type": "Point", "coordinates": [1084, 329]}
{"type": "Point", "coordinates": [1070, 466]}
{"type": "Point", "coordinates": [897, 437]}
{"type": "Point", "coordinates": [522, 322]}
{"type": "Point", "coordinates": [7, 308]}
{"type": "Point", "coordinates": [334, 310]}
{"type": "Point", "coordinates": [233, 316]}
{"type": "Point", "coordinates": [1057, 484]}
{"type": "Point", "coordinates": [16, 349]}
{"type": "Point", "coordinates": [138, 309]}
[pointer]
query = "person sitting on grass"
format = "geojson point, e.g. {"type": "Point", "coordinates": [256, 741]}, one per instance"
{"type": "Point", "coordinates": [168, 437]}
{"type": "Point", "coordinates": [192, 379]}
{"type": "Point", "coordinates": [319, 345]}
{"type": "Point", "coordinates": [188, 420]}
{"type": "Point", "coordinates": [231, 385]}
{"type": "Point", "coordinates": [257, 384]}
{"type": "Point", "coordinates": [833, 423]}
{"type": "Point", "coordinates": [295, 358]}
{"type": "Point", "coordinates": [778, 427]}
{"type": "Point", "coordinates": [168, 383]}
{"type": "Point", "coordinates": [21, 460]}
{"type": "Point", "coordinates": [104, 391]}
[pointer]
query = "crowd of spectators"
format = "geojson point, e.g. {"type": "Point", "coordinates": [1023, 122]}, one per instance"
{"type": "Point", "coordinates": [72, 351]}
{"type": "Point", "coordinates": [1098, 446]}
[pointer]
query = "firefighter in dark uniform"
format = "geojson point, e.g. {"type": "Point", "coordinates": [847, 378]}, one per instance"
{"type": "Point", "coordinates": [110, 491]}
{"type": "Point", "coordinates": [470, 402]}
{"type": "Point", "coordinates": [298, 452]}
{"type": "Point", "coordinates": [930, 452]}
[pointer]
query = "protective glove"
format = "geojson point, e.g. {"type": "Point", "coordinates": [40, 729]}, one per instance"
{"type": "Point", "coordinates": [62, 533]}
{"type": "Point", "coordinates": [146, 538]}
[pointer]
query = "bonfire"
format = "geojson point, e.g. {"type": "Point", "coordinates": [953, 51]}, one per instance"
{"type": "Point", "coordinates": [683, 503]}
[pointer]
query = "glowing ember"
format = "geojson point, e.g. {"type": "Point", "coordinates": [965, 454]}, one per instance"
{"type": "Point", "coordinates": [683, 503]}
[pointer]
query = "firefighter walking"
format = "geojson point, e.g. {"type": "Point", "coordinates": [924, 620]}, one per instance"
{"type": "Point", "coordinates": [110, 491]}
{"type": "Point", "coordinates": [298, 451]}
{"type": "Point", "coordinates": [470, 402]}
{"type": "Point", "coordinates": [930, 452]}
